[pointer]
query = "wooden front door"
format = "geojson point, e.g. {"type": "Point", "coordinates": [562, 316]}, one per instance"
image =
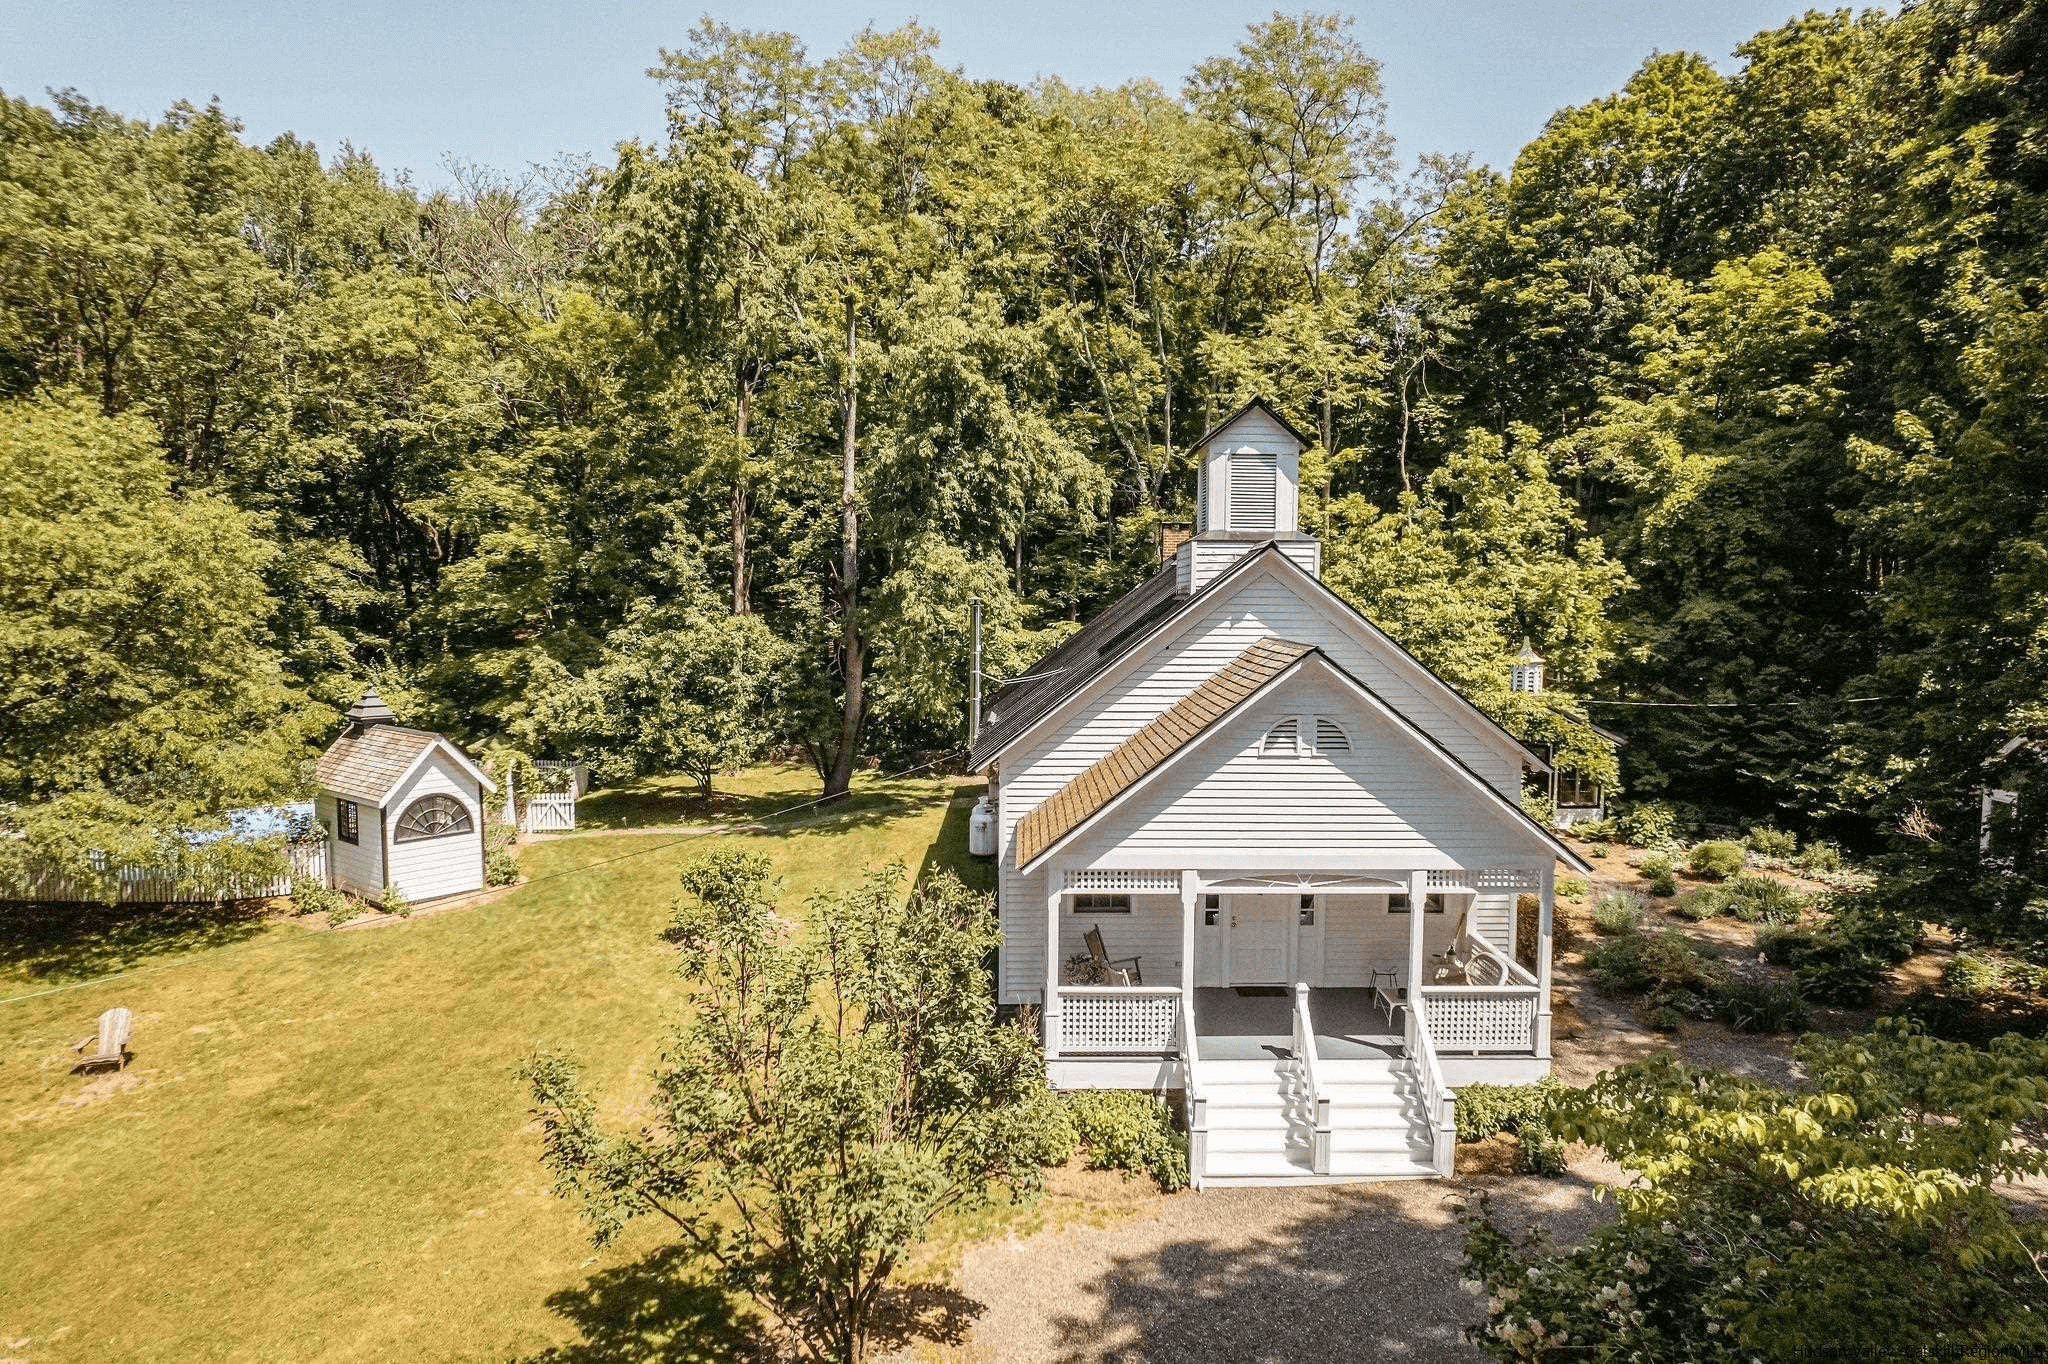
{"type": "Point", "coordinates": [1261, 932]}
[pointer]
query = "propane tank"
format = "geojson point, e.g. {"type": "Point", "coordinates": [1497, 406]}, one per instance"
{"type": "Point", "coordinates": [981, 829]}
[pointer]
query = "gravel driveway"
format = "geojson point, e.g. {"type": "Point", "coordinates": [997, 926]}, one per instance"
{"type": "Point", "coordinates": [1363, 1271]}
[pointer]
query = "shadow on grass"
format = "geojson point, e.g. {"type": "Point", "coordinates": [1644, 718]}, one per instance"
{"type": "Point", "coordinates": [780, 798]}
{"type": "Point", "coordinates": [659, 1309]}
{"type": "Point", "coordinates": [62, 942]}
{"type": "Point", "coordinates": [948, 851]}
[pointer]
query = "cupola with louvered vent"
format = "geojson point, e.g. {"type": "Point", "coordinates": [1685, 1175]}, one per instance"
{"type": "Point", "coordinates": [1247, 493]}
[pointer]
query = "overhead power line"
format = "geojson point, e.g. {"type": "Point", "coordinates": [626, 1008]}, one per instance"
{"type": "Point", "coordinates": [1729, 705]}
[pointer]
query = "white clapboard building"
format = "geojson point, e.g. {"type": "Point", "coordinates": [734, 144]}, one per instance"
{"type": "Point", "coordinates": [1251, 850]}
{"type": "Point", "coordinates": [401, 807]}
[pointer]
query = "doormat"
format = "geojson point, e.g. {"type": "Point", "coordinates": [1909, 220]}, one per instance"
{"type": "Point", "coordinates": [1260, 991]}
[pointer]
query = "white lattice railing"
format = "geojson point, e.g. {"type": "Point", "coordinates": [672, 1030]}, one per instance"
{"type": "Point", "coordinates": [1481, 1018]}
{"type": "Point", "coordinates": [1121, 880]}
{"type": "Point", "coordinates": [1117, 1020]}
{"type": "Point", "coordinates": [1485, 878]}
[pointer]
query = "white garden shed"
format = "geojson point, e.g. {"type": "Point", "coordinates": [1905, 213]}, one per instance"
{"type": "Point", "coordinates": [401, 807]}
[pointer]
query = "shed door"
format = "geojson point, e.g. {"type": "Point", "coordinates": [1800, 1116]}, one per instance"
{"type": "Point", "coordinates": [1261, 931]}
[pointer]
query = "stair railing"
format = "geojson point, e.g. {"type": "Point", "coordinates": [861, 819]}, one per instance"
{"type": "Point", "coordinates": [1439, 1105]}
{"type": "Point", "coordinates": [1305, 1066]}
{"type": "Point", "coordinates": [1194, 1106]}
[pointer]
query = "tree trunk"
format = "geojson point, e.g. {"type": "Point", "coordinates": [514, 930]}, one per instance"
{"type": "Point", "coordinates": [850, 660]}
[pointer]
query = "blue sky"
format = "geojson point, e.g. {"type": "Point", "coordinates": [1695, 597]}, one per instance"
{"type": "Point", "coordinates": [519, 81]}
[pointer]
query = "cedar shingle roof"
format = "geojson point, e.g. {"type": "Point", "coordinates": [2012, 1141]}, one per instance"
{"type": "Point", "coordinates": [366, 763]}
{"type": "Point", "coordinates": [1169, 732]}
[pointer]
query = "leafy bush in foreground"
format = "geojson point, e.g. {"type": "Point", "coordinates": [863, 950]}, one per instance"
{"type": "Point", "coordinates": [1647, 825]}
{"type": "Point", "coordinates": [1843, 1223]}
{"type": "Point", "coordinates": [1760, 899]}
{"type": "Point", "coordinates": [1657, 964]}
{"type": "Point", "coordinates": [1122, 1129]}
{"type": "Point", "coordinates": [1484, 1109]}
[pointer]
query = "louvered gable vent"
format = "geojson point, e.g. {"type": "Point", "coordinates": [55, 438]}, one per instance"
{"type": "Point", "coordinates": [1330, 736]}
{"type": "Point", "coordinates": [1280, 739]}
{"type": "Point", "coordinates": [1254, 491]}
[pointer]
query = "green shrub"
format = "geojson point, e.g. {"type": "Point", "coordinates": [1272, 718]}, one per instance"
{"type": "Point", "coordinates": [1569, 888]}
{"type": "Point", "coordinates": [393, 901]}
{"type": "Point", "coordinates": [1664, 1018]}
{"type": "Point", "coordinates": [1598, 829]}
{"type": "Point", "coordinates": [1599, 850]}
{"type": "Point", "coordinates": [1538, 807]}
{"type": "Point", "coordinates": [1970, 975]}
{"type": "Point", "coordinates": [1663, 886]}
{"type": "Point", "coordinates": [1756, 1005]}
{"type": "Point", "coordinates": [1701, 902]}
{"type": "Point", "coordinates": [1717, 859]}
{"type": "Point", "coordinates": [1765, 841]}
{"type": "Point", "coordinates": [1874, 923]}
{"type": "Point", "coordinates": [1820, 858]}
{"type": "Point", "coordinates": [1648, 824]}
{"type": "Point", "coordinates": [310, 897]}
{"type": "Point", "coordinates": [1618, 911]}
{"type": "Point", "coordinates": [1759, 899]}
{"type": "Point", "coordinates": [1783, 945]}
{"type": "Point", "coordinates": [1655, 864]}
{"type": "Point", "coordinates": [501, 868]}
{"type": "Point", "coordinates": [1975, 1021]}
{"type": "Point", "coordinates": [1542, 1150]}
{"type": "Point", "coordinates": [1834, 971]}
{"type": "Point", "coordinates": [347, 909]}
{"type": "Point", "coordinates": [1484, 1109]}
{"type": "Point", "coordinates": [1121, 1129]}
{"type": "Point", "coordinates": [1658, 964]}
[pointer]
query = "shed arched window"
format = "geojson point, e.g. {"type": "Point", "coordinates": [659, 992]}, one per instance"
{"type": "Point", "coordinates": [1280, 740]}
{"type": "Point", "coordinates": [432, 817]}
{"type": "Point", "coordinates": [1330, 736]}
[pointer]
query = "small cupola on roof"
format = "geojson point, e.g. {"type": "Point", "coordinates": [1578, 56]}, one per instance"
{"type": "Point", "coordinates": [1526, 672]}
{"type": "Point", "coordinates": [1247, 493]}
{"type": "Point", "coordinates": [369, 711]}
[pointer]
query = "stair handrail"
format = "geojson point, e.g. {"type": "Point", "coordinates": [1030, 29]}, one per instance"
{"type": "Point", "coordinates": [1194, 1105]}
{"type": "Point", "coordinates": [1305, 1060]}
{"type": "Point", "coordinates": [1439, 1104]}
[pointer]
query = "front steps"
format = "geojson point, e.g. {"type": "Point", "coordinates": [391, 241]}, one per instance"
{"type": "Point", "coordinates": [1260, 1127]}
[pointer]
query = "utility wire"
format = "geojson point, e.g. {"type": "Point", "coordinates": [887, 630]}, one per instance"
{"type": "Point", "coordinates": [706, 832]}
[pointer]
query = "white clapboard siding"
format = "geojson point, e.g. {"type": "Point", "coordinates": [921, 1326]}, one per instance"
{"type": "Point", "coordinates": [1197, 562]}
{"type": "Point", "coordinates": [426, 868]}
{"type": "Point", "coordinates": [358, 866]}
{"type": "Point", "coordinates": [1360, 932]}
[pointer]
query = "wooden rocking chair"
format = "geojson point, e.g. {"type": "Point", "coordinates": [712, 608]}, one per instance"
{"type": "Point", "coordinates": [1122, 970]}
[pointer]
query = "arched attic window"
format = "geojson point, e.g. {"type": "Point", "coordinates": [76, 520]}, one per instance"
{"type": "Point", "coordinates": [1282, 740]}
{"type": "Point", "coordinates": [434, 816]}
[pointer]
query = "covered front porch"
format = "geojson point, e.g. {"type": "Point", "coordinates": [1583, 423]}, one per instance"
{"type": "Point", "coordinates": [1201, 964]}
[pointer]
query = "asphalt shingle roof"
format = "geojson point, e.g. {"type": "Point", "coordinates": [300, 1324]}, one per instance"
{"type": "Point", "coordinates": [1165, 735]}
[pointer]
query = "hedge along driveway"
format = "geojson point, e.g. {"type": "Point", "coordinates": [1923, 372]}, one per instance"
{"type": "Point", "coordinates": [321, 1150]}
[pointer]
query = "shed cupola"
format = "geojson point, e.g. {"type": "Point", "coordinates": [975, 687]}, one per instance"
{"type": "Point", "coordinates": [1247, 493]}
{"type": "Point", "coordinates": [369, 711]}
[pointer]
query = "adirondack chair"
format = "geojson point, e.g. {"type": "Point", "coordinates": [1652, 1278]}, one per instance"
{"type": "Point", "coordinates": [1122, 970]}
{"type": "Point", "coordinates": [113, 1041]}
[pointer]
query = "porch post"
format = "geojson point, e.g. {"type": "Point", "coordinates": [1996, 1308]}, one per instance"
{"type": "Point", "coordinates": [1544, 881]}
{"type": "Point", "coordinates": [1418, 897]}
{"type": "Point", "coordinates": [1190, 897]}
{"type": "Point", "coordinates": [1050, 1012]}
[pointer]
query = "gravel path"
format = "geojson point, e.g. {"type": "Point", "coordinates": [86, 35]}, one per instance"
{"type": "Point", "coordinates": [1364, 1271]}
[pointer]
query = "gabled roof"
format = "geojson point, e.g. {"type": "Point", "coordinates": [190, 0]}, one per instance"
{"type": "Point", "coordinates": [1131, 761]}
{"type": "Point", "coordinates": [1089, 654]}
{"type": "Point", "coordinates": [1262, 405]}
{"type": "Point", "coordinates": [369, 762]}
{"type": "Point", "coordinates": [1251, 674]}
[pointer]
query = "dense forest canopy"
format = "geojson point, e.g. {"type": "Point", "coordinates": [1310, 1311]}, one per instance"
{"type": "Point", "coordinates": [1731, 396]}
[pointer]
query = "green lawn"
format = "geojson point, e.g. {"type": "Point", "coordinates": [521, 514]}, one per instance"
{"type": "Point", "coordinates": [321, 1149]}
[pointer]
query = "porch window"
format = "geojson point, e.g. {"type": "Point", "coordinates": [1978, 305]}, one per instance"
{"type": "Point", "coordinates": [1306, 915]}
{"type": "Point", "coordinates": [1212, 910]}
{"type": "Point", "coordinates": [1102, 904]}
{"type": "Point", "coordinates": [1397, 904]}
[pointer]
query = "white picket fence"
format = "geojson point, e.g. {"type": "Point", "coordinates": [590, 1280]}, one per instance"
{"type": "Point", "coordinates": [550, 812]}
{"type": "Point", "coordinates": [157, 886]}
